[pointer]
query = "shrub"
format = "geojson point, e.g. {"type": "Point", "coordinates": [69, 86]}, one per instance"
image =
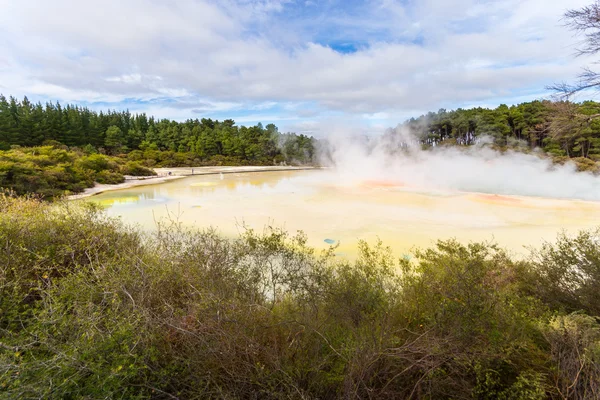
{"type": "Point", "coordinates": [136, 169]}
{"type": "Point", "coordinates": [54, 144]}
{"type": "Point", "coordinates": [91, 308]}
{"type": "Point", "coordinates": [89, 149]}
{"type": "Point", "coordinates": [575, 349]}
{"type": "Point", "coordinates": [566, 275]}
{"type": "Point", "coordinates": [109, 177]}
{"type": "Point", "coordinates": [97, 162]}
{"type": "Point", "coordinates": [586, 165]}
{"type": "Point", "coordinates": [135, 155]}
{"type": "Point", "coordinates": [46, 171]}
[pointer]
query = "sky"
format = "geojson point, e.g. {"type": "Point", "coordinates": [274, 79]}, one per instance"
{"type": "Point", "coordinates": [300, 64]}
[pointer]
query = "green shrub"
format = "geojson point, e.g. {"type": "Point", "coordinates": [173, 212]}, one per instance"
{"type": "Point", "coordinates": [136, 169]}
{"type": "Point", "coordinates": [91, 308]}
{"type": "Point", "coordinates": [575, 350]}
{"type": "Point", "coordinates": [109, 177]}
{"type": "Point", "coordinates": [566, 275]}
{"type": "Point", "coordinates": [586, 165]}
{"type": "Point", "coordinates": [45, 171]}
{"type": "Point", "coordinates": [136, 155]}
{"type": "Point", "coordinates": [54, 144]}
{"type": "Point", "coordinates": [97, 162]}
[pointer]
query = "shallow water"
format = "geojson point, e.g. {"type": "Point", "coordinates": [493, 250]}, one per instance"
{"type": "Point", "coordinates": [330, 211]}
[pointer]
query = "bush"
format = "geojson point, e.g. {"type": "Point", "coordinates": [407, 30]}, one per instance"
{"type": "Point", "coordinates": [566, 275]}
{"type": "Point", "coordinates": [45, 171]}
{"type": "Point", "coordinates": [52, 172]}
{"type": "Point", "coordinates": [586, 165]}
{"type": "Point", "coordinates": [136, 155]}
{"type": "Point", "coordinates": [68, 348]}
{"type": "Point", "coordinates": [89, 149]}
{"type": "Point", "coordinates": [97, 162]}
{"type": "Point", "coordinates": [109, 178]}
{"type": "Point", "coordinates": [575, 349]}
{"type": "Point", "coordinates": [91, 308]}
{"type": "Point", "coordinates": [55, 144]}
{"type": "Point", "coordinates": [136, 169]}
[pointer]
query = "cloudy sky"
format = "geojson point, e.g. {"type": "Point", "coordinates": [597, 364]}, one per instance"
{"type": "Point", "coordinates": [297, 63]}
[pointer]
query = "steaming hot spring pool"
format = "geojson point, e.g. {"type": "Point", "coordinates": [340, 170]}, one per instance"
{"type": "Point", "coordinates": [331, 211]}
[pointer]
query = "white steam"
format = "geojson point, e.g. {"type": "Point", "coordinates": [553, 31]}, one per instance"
{"type": "Point", "coordinates": [398, 159]}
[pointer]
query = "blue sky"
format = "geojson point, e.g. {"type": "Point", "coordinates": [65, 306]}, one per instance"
{"type": "Point", "coordinates": [305, 65]}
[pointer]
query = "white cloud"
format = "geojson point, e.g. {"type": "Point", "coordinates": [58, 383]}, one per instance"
{"type": "Point", "coordinates": [418, 55]}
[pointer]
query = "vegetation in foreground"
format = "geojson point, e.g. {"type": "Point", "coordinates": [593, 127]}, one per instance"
{"type": "Point", "coordinates": [91, 308]}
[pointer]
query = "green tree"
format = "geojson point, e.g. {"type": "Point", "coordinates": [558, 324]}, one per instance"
{"type": "Point", "coordinates": [114, 139]}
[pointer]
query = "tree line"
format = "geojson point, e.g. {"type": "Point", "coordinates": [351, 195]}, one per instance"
{"type": "Point", "coordinates": [23, 123]}
{"type": "Point", "coordinates": [561, 129]}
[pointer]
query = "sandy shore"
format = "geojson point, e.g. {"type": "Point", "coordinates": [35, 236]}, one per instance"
{"type": "Point", "coordinates": [167, 174]}
{"type": "Point", "coordinates": [224, 170]}
{"type": "Point", "coordinates": [99, 188]}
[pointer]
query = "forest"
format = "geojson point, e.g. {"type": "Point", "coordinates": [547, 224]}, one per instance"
{"type": "Point", "coordinates": [51, 151]}
{"type": "Point", "coordinates": [561, 129]}
{"type": "Point", "coordinates": [45, 149]}
{"type": "Point", "coordinates": [117, 132]}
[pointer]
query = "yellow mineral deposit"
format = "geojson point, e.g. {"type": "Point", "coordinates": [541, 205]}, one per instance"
{"type": "Point", "coordinates": [331, 212]}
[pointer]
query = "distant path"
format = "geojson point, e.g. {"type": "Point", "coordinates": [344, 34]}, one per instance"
{"type": "Point", "coordinates": [188, 171]}
{"type": "Point", "coordinates": [168, 174]}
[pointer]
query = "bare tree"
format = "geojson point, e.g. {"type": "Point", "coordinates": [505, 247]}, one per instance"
{"type": "Point", "coordinates": [585, 22]}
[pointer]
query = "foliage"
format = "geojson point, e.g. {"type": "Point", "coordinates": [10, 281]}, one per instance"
{"type": "Point", "coordinates": [559, 128]}
{"type": "Point", "coordinates": [91, 308]}
{"type": "Point", "coordinates": [96, 163]}
{"type": "Point", "coordinates": [200, 142]}
{"type": "Point", "coordinates": [575, 348]}
{"type": "Point", "coordinates": [136, 169]}
{"type": "Point", "coordinates": [51, 172]}
{"type": "Point", "coordinates": [109, 177]}
{"type": "Point", "coordinates": [114, 139]}
{"type": "Point", "coordinates": [567, 273]}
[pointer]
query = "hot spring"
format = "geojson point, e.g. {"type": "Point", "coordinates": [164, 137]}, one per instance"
{"type": "Point", "coordinates": [334, 211]}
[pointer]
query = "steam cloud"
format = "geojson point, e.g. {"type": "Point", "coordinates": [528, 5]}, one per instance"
{"type": "Point", "coordinates": [398, 158]}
